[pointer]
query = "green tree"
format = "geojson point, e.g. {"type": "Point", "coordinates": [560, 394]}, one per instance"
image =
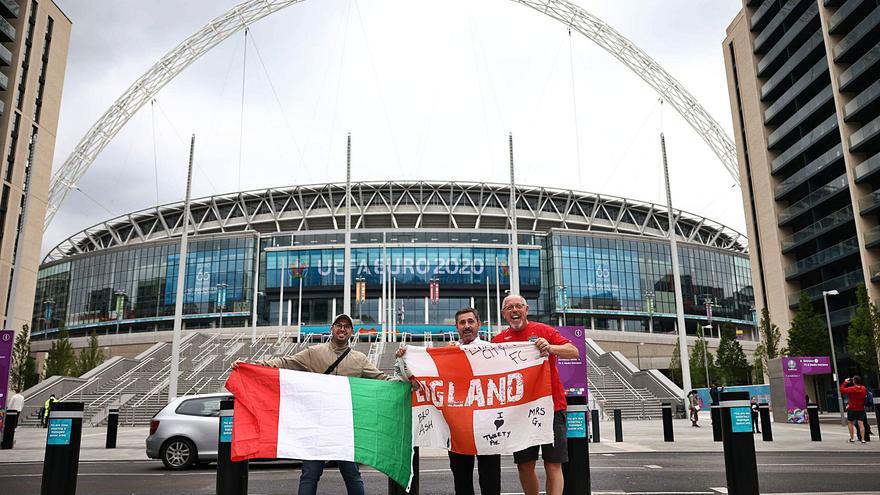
{"type": "Point", "coordinates": [61, 358]}
{"type": "Point", "coordinates": [699, 362]}
{"type": "Point", "coordinates": [23, 373]}
{"type": "Point", "coordinates": [675, 365]}
{"type": "Point", "coordinates": [89, 357]}
{"type": "Point", "coordinates": [733, 367]}
{"type": "Point", "coordinates": [860, 341]}
{"type": "Point", "coordinates": [808, 335]}
{"type": "Point", "coordinates": [770, 334]}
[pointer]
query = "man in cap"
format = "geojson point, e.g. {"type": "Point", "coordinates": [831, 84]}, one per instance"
{"type": "Point", "coordinates": [335, 357]}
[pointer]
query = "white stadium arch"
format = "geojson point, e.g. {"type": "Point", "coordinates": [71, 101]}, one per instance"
{"type": "Point", "coordinates": [250, 11]}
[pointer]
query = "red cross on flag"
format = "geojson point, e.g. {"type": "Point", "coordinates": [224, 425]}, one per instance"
{"type": "Point", "coordinates": [481, 398]}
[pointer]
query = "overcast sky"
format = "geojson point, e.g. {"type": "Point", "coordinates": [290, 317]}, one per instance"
{"type": "Point", "coordinates": [428, 90]}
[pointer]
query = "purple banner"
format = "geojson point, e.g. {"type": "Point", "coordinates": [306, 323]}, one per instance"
{"type": "Point", "coordinates": [793, 370]}
{"type": "Point", "coordinates": [6, 338]}
{"type": "Point", "coordinates": [573, 372]}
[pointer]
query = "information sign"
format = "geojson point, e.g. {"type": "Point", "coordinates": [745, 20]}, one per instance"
{"type": "Point", "coordinates": [226, 429]}
{"type": "Point", "coordinates": [741, 419]}
{"type": "Point", "coordinates": [59, 431]}
{"type": "Point", "coordinates": [576, 424]}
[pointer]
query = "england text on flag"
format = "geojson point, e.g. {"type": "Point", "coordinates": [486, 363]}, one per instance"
{"type": "Point", "coordinates": [482, 398]}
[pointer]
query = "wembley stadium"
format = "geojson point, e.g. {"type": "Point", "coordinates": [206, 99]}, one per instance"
{"type": "Point", "coordinates": [275, 257]}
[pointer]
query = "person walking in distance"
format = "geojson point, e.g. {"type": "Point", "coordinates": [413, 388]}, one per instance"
{"type": "Point", "coordinates": [855, 409]}
{"type": "Point", "coordinates": [46, 406]}
{"type": "Point", "coordinates": [467, 323]}
{"type": "Point", "coordinates": [756, 427]}
{"type": "Point", "coordinates": [335, 357]}
{"type": "Point", "coordinates": [548, 340]}
{"type": "Point", "coordinates": [694, 408]}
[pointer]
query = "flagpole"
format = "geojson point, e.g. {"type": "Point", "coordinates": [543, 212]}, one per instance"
{"type": "Point", "coordinates": [498, 291]}
{"type": "Point", "coordinates": [299, 309]}
{"type": "Point", "coordinates": [488, 307]}
{"type": "Point", "coordinates": [281, 299]}
{"type": "Point", "coordinates": [174, 372]}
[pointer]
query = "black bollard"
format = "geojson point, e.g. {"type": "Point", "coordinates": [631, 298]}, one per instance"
{"type": "Point", "coordinates": [668, 435]}
{"type": "Point", "coordinates": [9, 425]}
{"type": "Point", "coordinates": [232, 477]}
{"type": "Point", "coordinates": [766, 424]}
{"type": "Point", "coordinates": [594, 419]}
{"type": "Point", "coordinates": [61, 460]}
{"type": "Point", "coordinates": [715, 413]}
{"type": "Point", "coordinates": [395, 489]}
{"type": "Point", "coordinates": [813, 414]}
{"type": "Point", "coordinates": [740, 462]}
{"type": "Point", "coordinates": [576, 471]}
{"type": "Point", "coordinates": [112, 426]}
{"type": "Point", "coordinates": [618, 426]}
{"type": "Point", "coordinates": [877, 406]}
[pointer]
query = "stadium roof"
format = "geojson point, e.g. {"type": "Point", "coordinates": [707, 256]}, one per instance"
{"type": "Point", "coordinates": [398, 204]}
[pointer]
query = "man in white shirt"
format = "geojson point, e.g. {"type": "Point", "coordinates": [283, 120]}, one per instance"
{"type": "Point", "coordinates": [467, 323]}
{"type": "Point", "coordinates": [16, 403]}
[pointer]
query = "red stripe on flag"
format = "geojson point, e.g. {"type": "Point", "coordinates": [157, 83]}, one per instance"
{"type": "Point", "coordinates": [257, 391]}
{"type": "Point", "coordinates": [453, 365]}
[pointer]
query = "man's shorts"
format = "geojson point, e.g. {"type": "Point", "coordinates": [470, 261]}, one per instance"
{"type": "Point", "coordinates": [854, 415]}
{"type": "Point", "coordinates": [550, 452]}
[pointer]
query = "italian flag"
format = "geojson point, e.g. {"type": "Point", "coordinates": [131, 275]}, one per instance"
{"type": "Point", "coordinates": [285, 414]}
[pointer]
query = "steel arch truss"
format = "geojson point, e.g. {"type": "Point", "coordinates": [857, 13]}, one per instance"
{"type": "Point", "coordinates": [250, 11]}
{"type": "Point", "coordinates": [399, 205]}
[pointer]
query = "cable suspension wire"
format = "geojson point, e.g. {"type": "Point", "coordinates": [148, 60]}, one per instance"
{"type": "Point", "coordinates": [241, 114]}
{"type": "Point", "coordinates": [155, 150]}
{"type": "Point", "coordinates": [296, 145]}
{"type": "Point", "coordinates": [249, 11]}
{"type": "Point", "coordinates": [183, 142]}
{"type": "Point", "coordinates": [379, 89]}
{"type": "Point", "coordinates": [574, 112]}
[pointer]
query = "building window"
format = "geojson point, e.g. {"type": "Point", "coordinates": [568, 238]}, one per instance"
{"type": "Point", "coordinates": [41, 81]}
{"type": "Point", "coordinates": [13, 144]}
{"type": "Point", "coordinates": [25, 61]}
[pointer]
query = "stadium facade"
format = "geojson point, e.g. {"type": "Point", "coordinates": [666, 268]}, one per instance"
{"type": "Point", "coordinates": [584, 259]}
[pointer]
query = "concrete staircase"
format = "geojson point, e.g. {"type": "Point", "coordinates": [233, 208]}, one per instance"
{"type": "Point", "coordinates": [611, 391]}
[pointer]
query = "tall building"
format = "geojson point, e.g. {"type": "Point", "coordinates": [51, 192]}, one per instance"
{"type": "Point", "coordinates": [34, 36]}
{"type": "Point", "coordinates": [805, 99]}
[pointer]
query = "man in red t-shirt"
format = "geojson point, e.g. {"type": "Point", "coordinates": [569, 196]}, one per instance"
{"type": "Point", "coordinates": [548, 340]}
{"type": "Point", "coordinates": [855, 410]}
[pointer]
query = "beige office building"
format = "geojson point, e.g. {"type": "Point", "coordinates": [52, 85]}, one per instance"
{"type": "Point", "coordinates": [34, 36]}
{"type": "Point", "coordinates": [805, 100]}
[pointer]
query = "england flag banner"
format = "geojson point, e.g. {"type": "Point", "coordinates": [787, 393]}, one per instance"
{"type": "Point", "coordinates": [480, 398]}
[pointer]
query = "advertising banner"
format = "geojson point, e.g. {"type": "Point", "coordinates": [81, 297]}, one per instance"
{"type": "Point", "coordinates": [793, 370]}
{"type": "Point", "coordinates": [573, 372]}
{"type": "Point", "coordinates": [6, 338]}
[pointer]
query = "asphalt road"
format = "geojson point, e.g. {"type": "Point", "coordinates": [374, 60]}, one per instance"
{"type": "Point", "coordinates": [642, 473]}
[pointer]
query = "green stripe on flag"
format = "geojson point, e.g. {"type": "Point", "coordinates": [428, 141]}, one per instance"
{"type": "Point", "coordinates": [382, 414]}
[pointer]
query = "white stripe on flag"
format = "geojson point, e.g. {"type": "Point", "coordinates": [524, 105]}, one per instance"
{"type": "Point", "coordinates": [419, 363]}
{"type": "Point", "coordinates": [513, 428]}
{"type": "Point", "coordinates": [495, 359]}
{"type": "Point", "coordinates": [314, 417]}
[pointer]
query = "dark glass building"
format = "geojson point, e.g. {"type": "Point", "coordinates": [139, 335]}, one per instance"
{"type": "Point", "coordinates": [277, 256]}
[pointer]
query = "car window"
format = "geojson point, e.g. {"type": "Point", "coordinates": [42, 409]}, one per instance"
{"type": "Point", "coordinates": [209, 406]}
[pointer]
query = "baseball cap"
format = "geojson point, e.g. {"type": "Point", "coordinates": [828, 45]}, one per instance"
{"type": "Point", "coordinates": [343, 316]}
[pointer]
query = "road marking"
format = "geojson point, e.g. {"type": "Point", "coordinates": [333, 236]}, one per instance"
{"type": "Point", "coordinates": [719, 489]}
{"type": "Point", "coordinates": [653, 466]}
{"type": "Point", "coordinates": [608, 455]}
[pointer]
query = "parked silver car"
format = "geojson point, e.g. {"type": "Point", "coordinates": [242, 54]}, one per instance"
{"type": "Point", "coordinates": [185, 431]}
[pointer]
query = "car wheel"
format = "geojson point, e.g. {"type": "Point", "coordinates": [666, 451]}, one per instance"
{"type": "Point", "coordinates": [179, 453]}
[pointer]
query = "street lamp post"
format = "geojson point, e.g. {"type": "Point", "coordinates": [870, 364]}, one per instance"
{"type": "Point", "coordinates": [221, 300]}
{"type": "Point", "coordinates": [639, 354]}
{"type": "Point", "coordinates": [706, 354]}
{"type": "Point", "coordinates": [825, 294]}
{"type": "Point", "coordinates": [120, 306]}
